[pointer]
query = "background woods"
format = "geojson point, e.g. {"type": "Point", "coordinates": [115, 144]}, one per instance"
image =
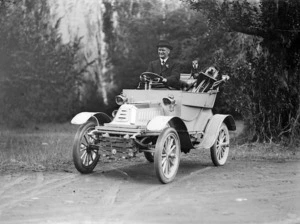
{"type": "Point", "coordinates": [53, 66]}
{"type": "Point", "coordinates": [266, 81]}
{"type": "Point", "coordinates": [38, 78]}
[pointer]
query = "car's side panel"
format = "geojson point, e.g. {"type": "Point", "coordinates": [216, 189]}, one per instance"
{"type": "Point", "coordinates": [197, 119]}
{"type": "Point", "coordinates": [83, 117]}
{"type": "Point", "coordinates": [211, 131]}
{"type": "Point", "coordinates": [155, 97]}
{"type": "Point", "coordinates": [203, 100]}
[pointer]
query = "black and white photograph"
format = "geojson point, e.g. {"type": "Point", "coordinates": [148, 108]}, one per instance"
{"type": "Point", "coordinates": [149, 111]}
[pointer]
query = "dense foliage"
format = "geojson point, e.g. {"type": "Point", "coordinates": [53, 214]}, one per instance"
{"type": "Point", "coordinates": [37, 72]}
{"type": "Point", "coordinates": [266, 81]}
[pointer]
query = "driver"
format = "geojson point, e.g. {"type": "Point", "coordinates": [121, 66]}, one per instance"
{"type": "Point", "coordinates": [165, 66]}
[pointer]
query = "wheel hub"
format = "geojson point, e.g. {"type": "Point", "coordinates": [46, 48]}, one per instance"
{"type": "Point", "coordinates": [91, 148]}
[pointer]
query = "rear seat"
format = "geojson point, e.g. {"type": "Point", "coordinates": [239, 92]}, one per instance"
{"type": "Point", "coordinates": [185, 77]}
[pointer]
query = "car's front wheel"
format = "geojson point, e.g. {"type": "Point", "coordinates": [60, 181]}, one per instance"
{"type": "Point", "coordinates": [85, 156]}
{"type": "Point", "coordinates": [220, 149]}
{"type": "Point", "coordinates": [167, 155]}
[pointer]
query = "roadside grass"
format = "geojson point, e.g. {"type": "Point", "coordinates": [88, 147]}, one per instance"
{"type": "Point", "coordinates": [259, 151]}
{"type": "Point", "coordinates": [41, 147]}
{"type": "Point", "coordinates": [264, 151]}
{"type": "Point", "coordinates": [49, 147]}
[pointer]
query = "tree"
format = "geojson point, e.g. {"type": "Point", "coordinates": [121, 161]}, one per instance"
{"type": "Point", "coordinates": [38, 79]}
{"type": "Point", "coordinates": [267, 80]}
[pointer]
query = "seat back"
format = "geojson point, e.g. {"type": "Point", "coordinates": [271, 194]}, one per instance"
{"type": "Point", "coordinates": [185, 77]}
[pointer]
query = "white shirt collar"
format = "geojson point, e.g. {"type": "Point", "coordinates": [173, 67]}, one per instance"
{"type": "Point", "coordinates": [163, 60]}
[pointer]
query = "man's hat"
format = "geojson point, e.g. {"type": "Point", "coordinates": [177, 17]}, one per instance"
{"type": "Point", "coordinates": [164, 43]}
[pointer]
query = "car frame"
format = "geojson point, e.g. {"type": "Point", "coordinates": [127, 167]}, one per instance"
{"type": "Point", "coordinates": [159, 122]}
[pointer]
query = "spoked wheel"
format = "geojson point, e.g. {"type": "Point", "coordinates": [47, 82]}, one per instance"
{"type": "Point", "coordinates": [220, 150]}
{"type": "Point", "coordinates": [85, 156]}
{"type": "Point", "coordinates": [167, 155]}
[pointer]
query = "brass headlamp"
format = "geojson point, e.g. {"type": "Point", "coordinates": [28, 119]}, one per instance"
{"type": "Point", "coordinates": [169, 101]}
{"type": "Point", "coordinates": [121, 99]}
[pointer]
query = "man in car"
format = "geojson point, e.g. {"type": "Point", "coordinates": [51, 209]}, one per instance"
{"type": "Point", "coordinates": [165, 66]}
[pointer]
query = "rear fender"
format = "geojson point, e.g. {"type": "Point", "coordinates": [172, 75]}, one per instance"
{"type": "Point", "coordinates": [212, 128]}
{"type": "Point", "coordinates": [83, 117]}
{"type": "Point", "coordinates": [158, 123]}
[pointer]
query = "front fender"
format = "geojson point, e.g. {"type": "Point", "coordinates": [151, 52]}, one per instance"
{"type": "Point", "coordinates": [83, 117]}
{"type": "Point", "coordinates": [158, 123]}
{"type": "Point", "coordinates": [211, 131]}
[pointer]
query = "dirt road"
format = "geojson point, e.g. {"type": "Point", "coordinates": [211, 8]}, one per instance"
{"type": "Point", "coordinates": [239, 192]}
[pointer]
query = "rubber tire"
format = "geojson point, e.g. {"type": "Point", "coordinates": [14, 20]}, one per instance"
{"type": "Point", "coordinates": [149, 156]}
{"type": "Point", "coordinates": [82, 130]}
{"type": "Point", "coordinates": [215, 150]}
{"type": "Point", "coordinates": [159, 148]}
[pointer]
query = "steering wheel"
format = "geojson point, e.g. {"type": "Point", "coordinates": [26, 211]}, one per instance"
{"type": "Point", "coordinates": [153, 78]}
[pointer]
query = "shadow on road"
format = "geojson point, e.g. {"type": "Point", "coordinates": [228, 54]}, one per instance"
{"type": "Point", "coordinates": [145, 173]}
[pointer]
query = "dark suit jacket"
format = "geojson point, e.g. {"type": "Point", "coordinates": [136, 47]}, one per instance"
{"type": "Point", "coordinates": [170, 70]}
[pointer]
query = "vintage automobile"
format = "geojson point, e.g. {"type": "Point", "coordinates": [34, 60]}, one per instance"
{"type": "Point", "coordinates": [158, 121]}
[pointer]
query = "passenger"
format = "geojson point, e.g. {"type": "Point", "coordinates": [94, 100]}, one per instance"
{"type": "Point", "coordinates": [165, 66]}
{"type": "Point", "coordinates": [195, 68]}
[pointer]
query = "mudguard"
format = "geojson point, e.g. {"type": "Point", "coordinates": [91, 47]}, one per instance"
{"type": "Point", "coordinates": [212, 128]}
{"type": "Point", "coordinates": [83, 117]}
{"type": "Point", "coordinates": [158, 123]}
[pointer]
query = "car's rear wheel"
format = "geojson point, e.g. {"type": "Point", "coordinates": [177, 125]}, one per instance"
{"type": "Point", "coordinates": [220, 149]}
{"type": "Point", "coordinates": [85, 156]}
{"type": "Point", "coordinates": [167, 155]}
